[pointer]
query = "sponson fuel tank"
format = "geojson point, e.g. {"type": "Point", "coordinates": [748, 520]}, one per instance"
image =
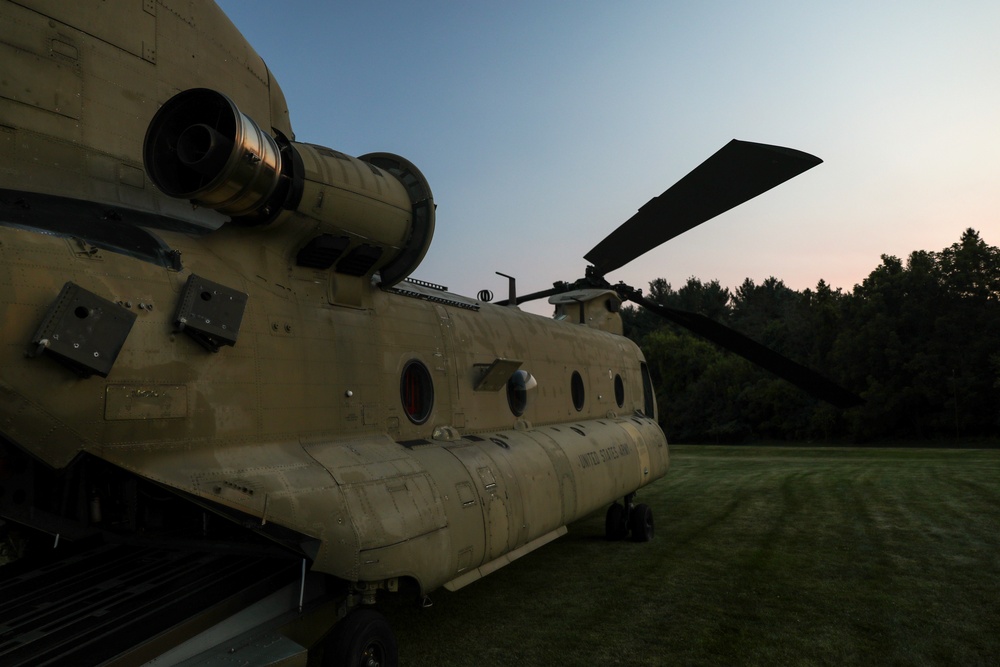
{"type": "Point", "coordinates": [355, 215]}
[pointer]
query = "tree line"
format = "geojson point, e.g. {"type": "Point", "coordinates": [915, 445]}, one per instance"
{"type": "Point", "coordinates": [918, 340]}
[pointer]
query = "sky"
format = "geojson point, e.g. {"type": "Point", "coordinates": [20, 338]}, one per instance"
{"type": "Point", "coordinates": [543, 125]}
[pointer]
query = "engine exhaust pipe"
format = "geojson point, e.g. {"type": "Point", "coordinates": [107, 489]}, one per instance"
{"type": "Point", "coordinates": [363, 215]}
{"type": "Point", "coordinates": [200, 147]}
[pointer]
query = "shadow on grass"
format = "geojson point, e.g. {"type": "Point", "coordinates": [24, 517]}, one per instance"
{"type": "Point", "coordinates": [761, 556]}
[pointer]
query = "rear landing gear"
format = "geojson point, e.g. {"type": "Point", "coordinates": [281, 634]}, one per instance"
{"type": "Point", "coordinates": [363, 639]}
{"type": "Point", "coordinates": [641, 523]}
{"type": "Point", "coordinates": [622, 519]}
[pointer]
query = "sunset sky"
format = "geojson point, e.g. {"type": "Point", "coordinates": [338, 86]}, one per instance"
{"type": "Point", "coordinates": [543, 125]}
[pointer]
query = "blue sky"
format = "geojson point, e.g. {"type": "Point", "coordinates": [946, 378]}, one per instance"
{"type": "Point", "coordinates": [543, 125]}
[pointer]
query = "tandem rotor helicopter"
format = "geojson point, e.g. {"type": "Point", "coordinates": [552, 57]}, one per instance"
{"type": "Point", "coordinates": [210, 339]}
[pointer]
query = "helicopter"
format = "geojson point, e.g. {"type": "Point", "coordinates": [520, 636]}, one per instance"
{"type": "Point", "coordinates": [211, 338]}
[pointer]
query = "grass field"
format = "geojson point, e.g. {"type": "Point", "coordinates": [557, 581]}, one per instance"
{"type": "Point", "coordinates": [762, 556]}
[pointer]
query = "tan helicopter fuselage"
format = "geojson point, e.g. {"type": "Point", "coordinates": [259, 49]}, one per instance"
{"type": "Point", "coordinates": [375, 424]}
{"type": "Point", "coordinates": [302, 423]}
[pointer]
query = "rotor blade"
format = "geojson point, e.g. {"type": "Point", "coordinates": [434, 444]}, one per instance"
{"type": "Point", "coordinates": [559, 288]}
{"type": "Point", "coordinates": [738, 172]}
{"type": "Point", "coordinates": [804, 378]}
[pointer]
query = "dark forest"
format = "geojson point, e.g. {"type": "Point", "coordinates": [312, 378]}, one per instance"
{"type": "Point", "coordinates": [918, 340]}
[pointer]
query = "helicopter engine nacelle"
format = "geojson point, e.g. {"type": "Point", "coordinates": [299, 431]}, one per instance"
{"type": "Point", "coordinates": [374, 213]}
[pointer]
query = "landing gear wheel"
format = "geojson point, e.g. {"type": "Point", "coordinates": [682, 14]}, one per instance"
{"type": "Point", "coordinates": [363, 639]}
{"type": "Point", "coordinates": [615, 523]}
{"type": "Point", "coordinates": [641, 523]}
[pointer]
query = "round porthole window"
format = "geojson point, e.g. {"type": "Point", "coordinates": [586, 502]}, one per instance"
{"type": "Point", "coordinates": [416, 391]}
{"type": "Point", "coordinates": [577, 391]}
{"type": "Point", "coordinates": [518, 386]}
{"type": "Point", "coordinates": [619, 391]}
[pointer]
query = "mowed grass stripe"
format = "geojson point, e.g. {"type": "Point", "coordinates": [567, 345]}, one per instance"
{"type": "Point", "coordinates": [762, 555]}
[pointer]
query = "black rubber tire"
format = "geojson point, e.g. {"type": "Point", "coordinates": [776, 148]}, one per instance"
{"type": "Point", "coordinates": [641, 523]}
{"type": "Point", "coordinates": [615, 523]}
{"type": "Point", "coordinates": [363, 639]}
